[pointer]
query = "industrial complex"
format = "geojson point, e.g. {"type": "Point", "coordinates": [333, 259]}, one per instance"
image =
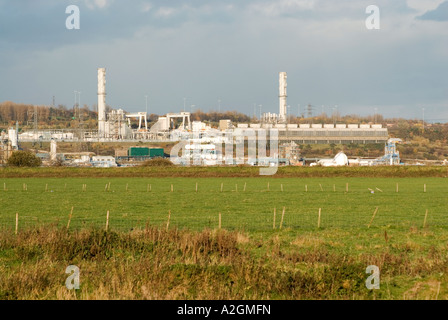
{"type": "Point", "coordinates": [115, 126]}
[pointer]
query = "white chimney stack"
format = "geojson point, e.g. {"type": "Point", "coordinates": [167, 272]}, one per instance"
{"type": "Point", "coordinates": [101, 102]}
{"type": "Point", "coordinates": [53, 148]}
{"type": "Point", "coordinates": [282, 96]}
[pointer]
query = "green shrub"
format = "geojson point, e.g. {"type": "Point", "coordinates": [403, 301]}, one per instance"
{"type": "Point", "coordinates": [24, 159]}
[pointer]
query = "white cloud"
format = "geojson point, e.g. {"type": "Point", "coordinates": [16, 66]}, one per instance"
{"type": "Point", "coordinates": [423, 5]}
{"type": "Point", "coordinates": [165, 12]}
{"type": "Point", "coordinates": [282, 7]}
{"type": "Point", "coordinates": [92, 4]}
{"type": "Point", "coordinates": [146, 7]}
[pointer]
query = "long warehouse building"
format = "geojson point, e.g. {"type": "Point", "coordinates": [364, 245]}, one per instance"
{"type": "Point", "coordinates": [327, 133]}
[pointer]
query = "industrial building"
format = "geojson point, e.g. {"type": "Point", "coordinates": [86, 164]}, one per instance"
{"type": "Point", "coordinates": [326, 133]}
{"type": "Point", "coordinates": [115, 126]}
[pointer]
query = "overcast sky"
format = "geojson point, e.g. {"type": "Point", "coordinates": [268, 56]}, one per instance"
{"type": "Point", "coordinates": [211, 50]}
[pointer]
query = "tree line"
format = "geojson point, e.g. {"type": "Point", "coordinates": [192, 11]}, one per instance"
{"type": "Point", "coordinates": [47, 116]}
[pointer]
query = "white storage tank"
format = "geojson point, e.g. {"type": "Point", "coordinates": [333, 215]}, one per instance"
{"type": "Point", "coordinates": [341, 126]}
{"type": "Point", "coordinates": [329, 126]}
{"type": "Point", "coordinates": [243, 125]}
{"type": "Point", "coordinates": [304, 126]}
{"type": "Point", "coordinates": [377, 126]}
{"type": "Point", "coordinates": [12, 135]}
{"type": "Point", "coordinates": [292, 126]}
{"type": "Point", "coordinates": [364, 126]}
{"type": "Point", "coordinates": [353, 126]}
{"type": "Point", "coordinates": [316, 126]}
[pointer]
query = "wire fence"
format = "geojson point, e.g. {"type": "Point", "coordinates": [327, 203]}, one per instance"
{"type": "Point", "coordinates": [236, 205]}
{"type": "Point", "coordinates": [300, 221]}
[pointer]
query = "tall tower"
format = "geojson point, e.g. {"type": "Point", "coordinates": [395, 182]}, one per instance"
{"type": "Point", "coordinates": [282, 96]}
{"type": "Point", "coordinates": [101, 102]}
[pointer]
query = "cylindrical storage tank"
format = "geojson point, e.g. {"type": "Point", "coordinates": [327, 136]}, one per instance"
{"type": "Point", "coordinates": [316, 126]}
{"type": "Point", "coordinates": [377, 126]}
{"type": "Point", "coordinates": [329, 126]}
{"type": "Point", "coordinates": [353, 126]}
{"type": "Point", "coordinates": [292, 126]}
{"type": "Point", "coordinates": [304, 126]}
{"type": "Point", "coordinates": [12, 135]}
{"type": "Point", "coordinates": [364, 126]}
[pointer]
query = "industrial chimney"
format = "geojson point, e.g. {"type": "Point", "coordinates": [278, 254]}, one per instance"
{"type": "Point", "coordinates": [282, 96]}
{"type": "Point", "coordinates": [101, 102]}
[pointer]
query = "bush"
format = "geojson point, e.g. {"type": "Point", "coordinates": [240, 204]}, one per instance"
{"type": "Point", "coordinates": [158, 162]}
{"type": "Point", "coordinates": [57, 163]}
{"type": "Point", "coordinates": [24, 159]}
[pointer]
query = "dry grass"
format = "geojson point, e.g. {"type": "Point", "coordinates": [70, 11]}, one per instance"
{"type": "Point", "coordinates": [157, 162]}
{"type": "Point", "coordinates": [162, 168]}
{"type": "Point", "coordinates": [212, 264]}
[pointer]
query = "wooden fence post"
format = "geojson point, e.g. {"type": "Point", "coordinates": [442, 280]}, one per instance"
{"type": "Point", "coordinates": [273, 226]}
{"type": "Point", "coordinates": [17, 222]}
{"type": "Point", "coordinates": [283, 214]}
{"type": "Point", "coordinates": [107, 220]}
{"type": "Point", "coordinates": [371, 220]}
{"type": "Point", "coordinates": [69, 218]}
{"type": "Point", "coordinates": [168, 222]}
{"type": "Point", "coordinates": [318, 219]}
{"type": "Point", "coordinates": [424, 221]}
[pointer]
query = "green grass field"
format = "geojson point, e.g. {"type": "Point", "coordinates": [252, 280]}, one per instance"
{"type": "Point", "coordinates": [244, 203]}
{"type": "Point", "coordinates": [248, 259]}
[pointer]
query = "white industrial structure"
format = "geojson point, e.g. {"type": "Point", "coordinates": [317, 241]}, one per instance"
{"type": "Point", "coordinates": [101, 102]}
{"type": "Point", "coordinates": [115, 125]}
{"type": "Point", "coordinates": [339, 160]}
{"type": "Point", "coordinates": [282, 96]}
{"type": "Point", "coordinates": [103, 161]}
{"type": "Point", "coordinates": [141, 116]}
{"type": "Point", "coordinates": [166, 123]}
{"type": "Point", "coordinates": [53, 150]}
{"type": "Point", "coordinates": [13, 137]}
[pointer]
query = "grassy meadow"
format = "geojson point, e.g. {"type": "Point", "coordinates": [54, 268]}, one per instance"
{"type": "Point", "coordinates": [164, 242]}
{"type": "Point", "coordinates": [244, 203]}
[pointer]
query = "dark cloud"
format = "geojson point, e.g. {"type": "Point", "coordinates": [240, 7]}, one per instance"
{"type": "Point", "coordinates": [231, 50]}
{"type": "Point", "coordinates": [24, 24]}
